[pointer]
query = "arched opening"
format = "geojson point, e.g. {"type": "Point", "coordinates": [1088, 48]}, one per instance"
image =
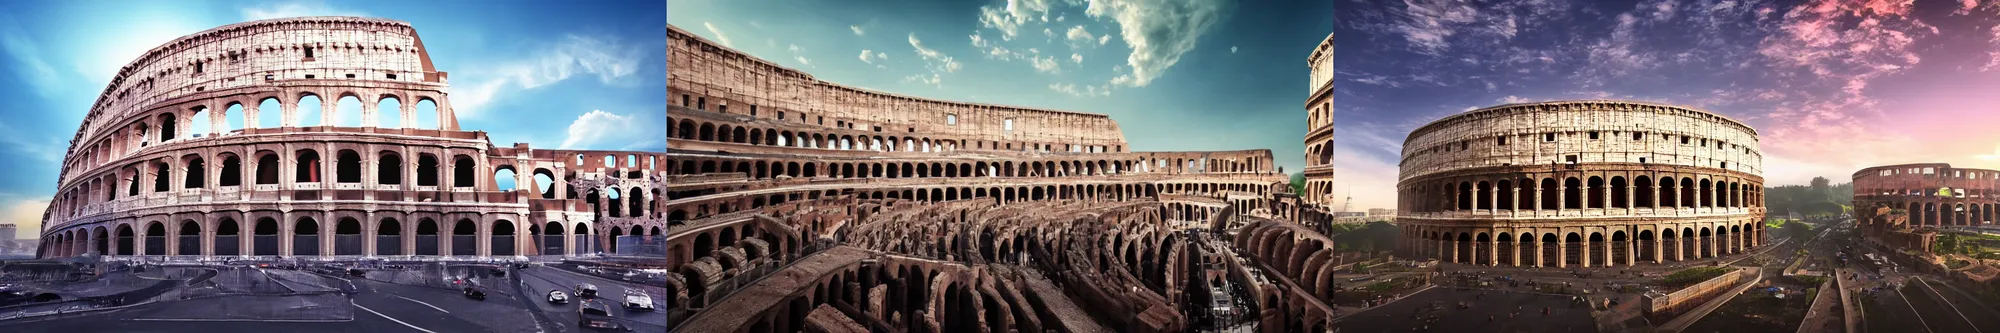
{"type": "Point", "coordinates": [464, 238]}
{"type": "Point", "coordinates": [427, 237]}
{"type": "Point", "coordinates": [307, 112]}
{"type": "Point", "coordinates": [552, 238]}
{"type": "Point", "coordinates": [389, 112]}
{"type": "Point", "coordinates": [580, 238]}
{"type": "Point", "coordinates": [267, 169]}
{"type": "Point", "coordinates": [427, 170]}
{"type": "Point", "coordinates": [347, 239]}
{"type": "Point", "coordinates": [347, 111]}
{"type": "Point", "coordinates": [307, 167]}
{"type": "Point", "coordinates": [389, 169]}
{"type": "Point", "coordinates": [389, 237]}
{"type": "Point", "coordinates": [233, 119]}
{"type": "Point", "coordinates": [305, 237]}
{"type": "Point", "coordinates": [1548, 194]}
{"type": "Point", "coordinates": [196, 170]}
{"type": "Point", "coordinates": [268, 111]}
{"type": "Point", "coordinates": [615, 234]}
{"type": "Point", "coordinates": [189, 239]}
{"type": "Point", "coordinates": [347, 166]}
{"type": "Point", "coordinates": [462, 171]}
{"type": "Point", "coordinates": [199, 125]}
{"type": "Point", "coordinates": [228, 238]}
{"type": "Point", "coordinates": [232, 171]}
{"type": "Point", "coordinates": [502, 241]}
{"type": "Point", "coordinates": [169, 125]}
{"type": "Point", "coordinates": [264, 241]}
{"type": "Point", "coordinates": [125, 240]}
{"type": "Point", "coordinates": [427, 115]}
{"type": "Point", "coordinates": [503, 179]}
{"type": "Point", "coordinates": [1595, 186]}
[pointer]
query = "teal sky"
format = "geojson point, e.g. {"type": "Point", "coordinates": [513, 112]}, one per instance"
{"type": "Point", "coordinates": [1177, 75]}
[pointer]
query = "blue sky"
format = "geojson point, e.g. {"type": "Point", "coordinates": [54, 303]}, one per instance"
{"type": "Point", "coordinates": [1832, 86]}
{"type": "Point", "coordinates": [583, 75]}
{"type": "Point", "coordinates": [1177, 75]}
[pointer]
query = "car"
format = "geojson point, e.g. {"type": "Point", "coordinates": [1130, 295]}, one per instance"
{"type": "Point", "coordinates": [357, 272]}
{"type": "Point", "coordinates": [474, 293]}
{"type": "Point", "coordinates": [638, 301]}
{"type": "Point", "coordinates": [595, 315]}
{"type": "Point", "coordinates": [558, 297]}
{"type": "Point", "coordinates": [586, 290]}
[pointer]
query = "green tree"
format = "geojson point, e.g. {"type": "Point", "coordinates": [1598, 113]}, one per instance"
{"type": "Point", "coordinates": [1299, 183]}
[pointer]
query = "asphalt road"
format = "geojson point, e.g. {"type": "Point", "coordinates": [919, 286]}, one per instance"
{"type": "Point", "coordinates": [612, 293]}
{"type": "Point", "coordinates": [1399, 316]}
{"type": "Point", "coordinates": [373, 307]}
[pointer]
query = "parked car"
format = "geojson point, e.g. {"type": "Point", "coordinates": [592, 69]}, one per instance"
{"type": "Point", "coordinates": [558, 297]}
{"type": "Point", "coordinates": [474, 293]}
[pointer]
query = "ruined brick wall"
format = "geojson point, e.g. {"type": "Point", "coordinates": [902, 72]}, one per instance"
{"type": "Point", "coordinates": [1929, 194]}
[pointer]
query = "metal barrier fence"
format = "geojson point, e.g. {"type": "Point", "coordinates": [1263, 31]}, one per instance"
{"type": "Point", "coordinates": [642, 245]}
{"type": "Point", "coordinates": [464, 244]}
{"type": "Point", "coordinates": [227, 245]}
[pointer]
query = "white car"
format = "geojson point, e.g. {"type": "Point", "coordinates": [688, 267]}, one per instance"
{"type": "Point", "coordinates": [558, 297]}
{"type": "Point", "coordinates": [638, 301]}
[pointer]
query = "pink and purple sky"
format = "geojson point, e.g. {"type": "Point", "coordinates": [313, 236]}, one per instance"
{"type": "Point", "coordinates": [1832, 86]}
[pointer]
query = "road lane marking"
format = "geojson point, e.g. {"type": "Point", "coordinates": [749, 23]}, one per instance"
{"type": "Point", "coordinates": [364, 308]}
{"type": "Point", "coordinates": [422, 302]}
{"type": "Point", "coordinates": [246, 320]}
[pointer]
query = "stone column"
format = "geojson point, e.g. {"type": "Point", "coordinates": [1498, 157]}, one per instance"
{"type": "Point", "coordinates": [1562, 252]}
{"type": "Point", "coordinates": [1515, 254]}
{"type": "Point", "coordinates": [1492, 252]}
{"type": "Point", "coordinates": [1583, 252]}
{"type": "Point", "coordinates": [1454, 250]}
{"type": "Point", "coordinates": [1631, 250]}
{"type": "Point", "coordinates": [1608, 262]}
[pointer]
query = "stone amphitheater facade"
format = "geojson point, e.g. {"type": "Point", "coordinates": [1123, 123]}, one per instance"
{"type": "Point", "coordinates": [1580, 184]}
{"type": "Point", "coordinates": [1930, 194]}
{"type": "Point", "coordinates": [140, 180]}
{"type": "Point", "coordinates": [796, 203]}
{"type": "Point", "coordinates": [1319, 192]}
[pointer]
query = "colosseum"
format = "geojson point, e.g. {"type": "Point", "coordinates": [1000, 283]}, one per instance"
{"type": "Point", "coordinates": [801, 204]}
{"type": "Point", "coordinates": [1902, 205]}
{"type": "Point", "coordinates": [1580, 184]}
{"type": "Point", "coordinates": [156, 170]}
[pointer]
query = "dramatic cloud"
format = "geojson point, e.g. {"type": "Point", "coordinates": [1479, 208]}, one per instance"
{"type": "Point", "coordinates": [719, 37]}
{"type": "Point", "coordinates": [1158, 31]}
{"type": "Point", "coordinates": [608, 58]}
{"type": "Point", "coordinates": [609, 131]}
{"type": "Point", "coordinates": [936, 62]}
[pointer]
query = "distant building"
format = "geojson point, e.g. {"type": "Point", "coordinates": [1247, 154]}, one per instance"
{"type": "Point", "coordinates": [1349, 214]}
{"type": "Point", "coordinates": [6, 232]}
{"type": "Point", "coordinates": [1381, 212]}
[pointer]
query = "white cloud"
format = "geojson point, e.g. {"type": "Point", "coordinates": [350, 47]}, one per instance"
{"type": "Point", "coordinates": [936, 62]}
{"type": "Point", "coordinates": [1232, 49]}
{"type": "Point", "coordinates": [604, 130]}
{"type": "Point", "coordinates": [1046, 65]}
{"type": "Point", "coordinates": [1158, 31]}
{"type": "Point", "coordinates": [1085, 91]}
{"type": "Point", "coordinates": [867, 56]}
{"type": "Point", "coordinates": [1078, 37]}
{"type": "Point", "coordinates": [1010, 18]}
{"type": "Point", "coordinates": [1511, 99]}
{"type": "Point", "coordinates": [719, 37]}
{"type": "Point", "coordinates": [295, 9]}
{"type": "Point", "coordinates": [1077, 58]}
{"type": "Point", "coordinates": [794, 48]}
{"type": "Point", "coordinates": [857, 30]}
{"type": "Point", "coordinates": [609, 59]}
{"type": "Point", "coordinates": [25, 214]}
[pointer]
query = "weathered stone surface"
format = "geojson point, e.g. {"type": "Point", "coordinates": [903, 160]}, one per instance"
{"type": "Point", "coordinates": [1580, 183]}
{"type": "Point", "coordinates": [137, 169]}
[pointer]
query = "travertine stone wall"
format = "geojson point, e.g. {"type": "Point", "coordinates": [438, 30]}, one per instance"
{"type": "Point", "coordinates": [709, 77]}
{"type": "Point", "coordinates": [1584, 183]}
{"type": "Point", "coordinates": [1319, 191]}
{"type": "Point", "coordinates": [1554, 132]}
{"type": "Point", "coordinates": [142, 179]}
